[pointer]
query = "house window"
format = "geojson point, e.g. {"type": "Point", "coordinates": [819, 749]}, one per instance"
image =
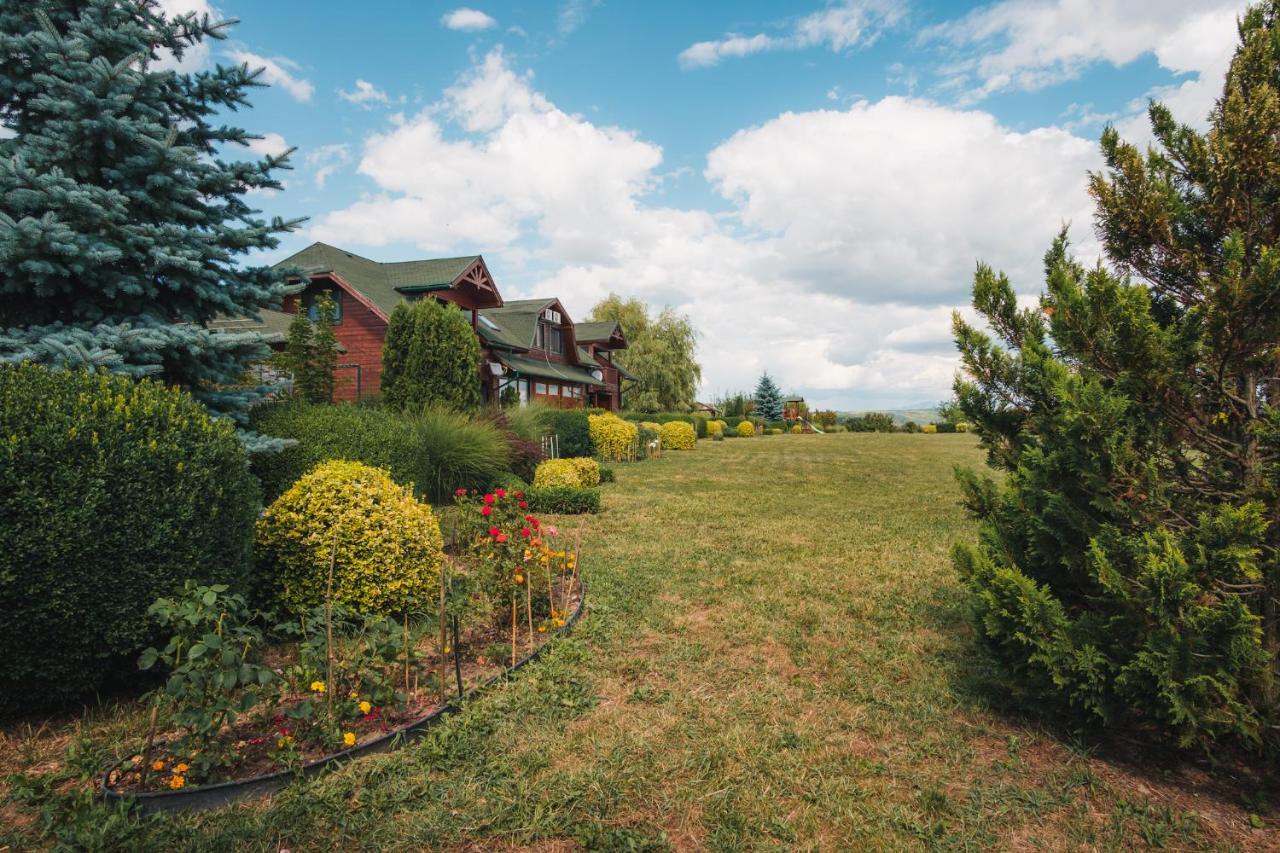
{"type": "Point", "coordinates": [540, 388]}
{"type": "Point", "coordinates": [549, 337]}
{"type": "Point", "coordinates": [310, 298]}
{"type": "Point", "coordinates": [553, 389]}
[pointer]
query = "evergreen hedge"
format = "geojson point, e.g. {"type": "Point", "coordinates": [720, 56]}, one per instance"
{"type": "Point", "coordinates": [113, 492]}
{"type": "Point", "coordinates": [430, 357]}
{"type": "Point", "coordinates": [436, 450]}
{"type": "Point", "coordinates": [573, 429]}
{"type": "Point", "coordinates": [563, 500]}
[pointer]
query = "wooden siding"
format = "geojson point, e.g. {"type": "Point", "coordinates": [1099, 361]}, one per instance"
{"type": "Point", "coordinates": [361, 332]}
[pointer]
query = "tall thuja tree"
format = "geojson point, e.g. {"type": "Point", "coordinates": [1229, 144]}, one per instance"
{"type": "Point", "coordinates": [120, 223]}
{"type": "Point", "coordinates": [1128, 565]}
{"type": "Point", "coordinates": [768, 398]}
{"type": "Point", "coordinates": [310, 353]}
{"type": "Point", "coordinates": [430, 357]}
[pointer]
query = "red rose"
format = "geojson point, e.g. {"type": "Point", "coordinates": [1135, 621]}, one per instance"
{"type": "Point", "coordinates": [486, 510]}
{"type": "Point", "coordinates": [488, 499]}
{"type": "Point", "coordinates": [524, 505]}
{"type": "Point", "coordinates": [529, 518]}
{"type": "Point", "coordinates": [493, 531]}
{"type": "Point", "coordinates": [519, 494]}
{"type": "Point", "coordinates": [501, 537]}
{"type": "Point", "coordinates": [502, 493]}
{"type": "Point", "coordinates": [460, 492]}
{"type": "Point", "coordinates": [526, 532]}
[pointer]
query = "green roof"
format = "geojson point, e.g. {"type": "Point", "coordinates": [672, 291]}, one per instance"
{"type": "Point", "coordinates": [601, 330]}
{"type": "Point", "coordinates": [384, 284]}
{"type": "Point", "coordinates": [274, 326]}
{"type": "Point", "coordinates": [516, 323]}
{"type": "Point", "coordinates": [526, 366]}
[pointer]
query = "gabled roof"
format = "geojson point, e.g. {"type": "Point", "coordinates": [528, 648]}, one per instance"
{"type": "Point", "coordinates": [385, 284]}
{"type": "Point", "coordinates": [514, 324]}
{"type": "Point", "coordinates": [606, 332]}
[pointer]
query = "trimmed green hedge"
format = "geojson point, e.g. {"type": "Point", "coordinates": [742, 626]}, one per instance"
{"type": "Point", "coordinates": [563, 500]}
{"type": "Point", "coordinates": [113, 492]}
{"type": "Point", "coordinates": [574, 431]}
{"type": "Point", "coordinates": [436, 450]}
{"type": "Point", "coordinates": [699, 421]}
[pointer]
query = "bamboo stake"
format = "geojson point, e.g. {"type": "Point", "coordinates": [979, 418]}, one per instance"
{"type": "Point", "coordinates": [528, 606]}
{"type": "Point", "coordinates": [328, 627]}
{"type": "Point", "coordinates": [151, 738]}
{"type": "Point", "coordinates": [513, 627]}
{"type": "Point", "coordinates": [406, 655]}
{"type": "Point", "coordinates": [444, 640]}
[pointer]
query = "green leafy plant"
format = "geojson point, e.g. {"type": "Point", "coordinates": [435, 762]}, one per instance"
{"type": "Point", "coordinates": [563, 500]}
{"type": "Point", "coordinates": [213, 665]}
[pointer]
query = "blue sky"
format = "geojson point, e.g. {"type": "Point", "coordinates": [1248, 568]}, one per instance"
{"type": "Point", "coordinates": [812, 182]}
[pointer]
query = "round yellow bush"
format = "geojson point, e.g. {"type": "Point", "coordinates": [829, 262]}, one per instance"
{"type": "Point", "coordinates": [929, 428]}
{"type": "Point", "coordinates": [556, 472]}
{"type": "Point", "coordinates": [611, 436]}
{"type": "Point", "coordinates": [678, 435]}
{"type": "Point", "coordinates": [388, 549]}
{"type": "Point", "coordinates": [746, 429]}
{"type": "Point", "coordinates": [963, 426]}
{"type": "Point", "coordinates": [714, 427]}
{"type": "Point", "coordinates": [651, 425]}
{"type": "Point", "coordinates": [588, 471]}
{"type": "Point", "coordinates": [797, 429]}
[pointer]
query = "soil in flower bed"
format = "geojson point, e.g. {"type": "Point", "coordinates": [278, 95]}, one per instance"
{"type": "Point", "coordinates": [256, 740]}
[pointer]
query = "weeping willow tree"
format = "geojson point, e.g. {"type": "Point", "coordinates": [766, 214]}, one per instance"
{"type": "Point", "coordinates": [1128, 567]}
{"type": "Point", "coordinates": [661, 355]}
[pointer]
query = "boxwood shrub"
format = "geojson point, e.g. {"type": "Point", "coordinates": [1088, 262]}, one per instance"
{"type": "Point", "coordinates": [573, 431]}
{"type": "Point", "coordinates": [113, 492]}
{"type": "Point", "coordinates": [563, 500]}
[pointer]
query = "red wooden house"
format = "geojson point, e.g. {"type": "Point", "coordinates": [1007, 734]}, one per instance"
{"type": "Point", "coordinates": [530, 346]}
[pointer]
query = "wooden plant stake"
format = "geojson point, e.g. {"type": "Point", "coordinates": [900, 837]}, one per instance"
{"type": "Point", "coordinates": [528, 606]}
{"type": "Point", "coordinates": [328, 627]}
{"type": "Point", "coordinates": [406, 655]}
{"type": "Point", "coordinates": [151, 739]}
{"type": "Point", "coordinates": [457, 660]}
{"type": "Point", "coordinates": [513, 627]}
{"type": "Point", "coordinates": [444, 640]}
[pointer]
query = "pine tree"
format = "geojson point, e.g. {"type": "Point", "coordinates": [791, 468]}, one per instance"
{"type": "Point", "coordinates": [1128, 566]}
{"type": "Point", "coordinates": [430, 357]}
{"type": "Point", "coordinates": [768, 399]}
{"type": "Point", "coordinates": [319, 379]}
{"type": "Point", "coordinates": [121, 222]}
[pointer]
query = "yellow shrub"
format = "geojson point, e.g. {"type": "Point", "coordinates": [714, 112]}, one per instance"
{"type": "Point", "coordinates": [388, 549]}
{"type": "Point", "coordinates": [588, 471]}
{"type": "Point", "coordinates": [611, 436]}
{"type": "Point", "coordinates": [714, 427]}
{"type": "Point", "coordinates": [651, 425]}
{"type": "Point", "coordinates": [963, 426]}
{"type": "Point", "coordinates": [746, 429]}
{"type": "Point", "coordinates": [929, 428]}
{"type": "Point", "coordinates": [797, 429]}
{"type": "Point", "coordinates": [678, 435]}
{"type": "Point", "coordinates": [556, 472]}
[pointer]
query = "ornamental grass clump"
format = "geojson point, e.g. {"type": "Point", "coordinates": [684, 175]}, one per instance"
{"type": "Point", "coordinates": [347, 529]}
{"type": "Point", "coordinates": [612, 437]}
{"type": "Point", "coordinates": [678, 435]}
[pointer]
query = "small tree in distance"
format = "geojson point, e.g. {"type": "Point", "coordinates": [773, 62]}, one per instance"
{"type": "Point", "coordinates": [768, 399]}
{"type": "Point", "coordinates": [310, 353]}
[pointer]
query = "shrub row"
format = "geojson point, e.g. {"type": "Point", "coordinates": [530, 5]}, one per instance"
{"type": "Point", "coordinates": [579, 472]}
{"type": "Point", "coordinates": [436, 450]}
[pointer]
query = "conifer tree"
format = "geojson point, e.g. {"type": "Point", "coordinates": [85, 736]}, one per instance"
{"type": "Point", "coordinates": [311, 352]}
{"type": "Point", "coordinates": [121, 223]}
{"type": "Point", "coordinates": [1128, 566]}
{"type": "Point", "coordinates": [768, 399]}
{"type": "Point", "coordinates": [430, 357]}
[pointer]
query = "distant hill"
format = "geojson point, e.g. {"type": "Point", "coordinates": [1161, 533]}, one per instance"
{"type": "Point", "coordinates": [900, 416]}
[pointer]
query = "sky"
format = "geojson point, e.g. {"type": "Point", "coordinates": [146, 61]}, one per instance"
{"type": "Point", "coordinates": [811, 182]}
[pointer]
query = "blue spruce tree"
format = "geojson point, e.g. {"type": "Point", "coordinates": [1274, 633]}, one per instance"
{"type": "Point", "coordinates": [768, 399]}
{"type": "Point", "coordinates": [121, 222]}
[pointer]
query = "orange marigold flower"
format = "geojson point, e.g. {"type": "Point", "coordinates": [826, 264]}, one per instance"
{"type": "Point", "coordinates": [177, 782]}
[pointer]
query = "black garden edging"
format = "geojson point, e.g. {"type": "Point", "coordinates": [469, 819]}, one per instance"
{"type": "Point", "coordinates": [213, 796]}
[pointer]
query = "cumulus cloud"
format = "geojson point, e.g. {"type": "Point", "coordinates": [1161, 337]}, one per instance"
{"type": "Point", "coordinates": [1031, 44]}
{"type": "Point", "coordinates": [573, 14]}
{"type": "Point", "coordinates": [325, 160]}
{"type": "Point", "coordinates": [365, 94]}
{"type": "Point", "coordinates": [277, 71]}
{"type": "Point", "coordinates": [850, 236]}
{"type": "Point", "coordinates": [270, 145]}
{"type": "Point", "coordinates": [467, 20]}
{"type": "Point", "coordinates": [840, 27]}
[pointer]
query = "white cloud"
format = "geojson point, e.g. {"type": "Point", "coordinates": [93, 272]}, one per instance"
{"type": "Point", "coordinates": [852, 233]}
{"type": "Point", "coordinates": [365, 94]}
{"type": "Point", "coordinates": [573, 14]}
{"type": "Point", "coordinates": [848, 24]}
{"type": "Point", "coordinates": [270, 145]}
{"type": "Point", "coordinates": [195, 57]}
{"type": "Point", "coordinates": [277, 71]}
{"type": "Point", "coordinates": [325, 160]}
{"type": "Point", "coordinates": [1031, 44]}
{"type": "Point", "coordinates": [467, 20]}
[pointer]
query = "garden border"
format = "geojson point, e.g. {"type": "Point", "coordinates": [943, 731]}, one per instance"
{"type": "Point", "coordinates": [207, 797]}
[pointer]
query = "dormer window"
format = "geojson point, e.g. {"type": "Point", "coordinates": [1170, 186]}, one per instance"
{"type": "Point", "coordinates": [549, 337]}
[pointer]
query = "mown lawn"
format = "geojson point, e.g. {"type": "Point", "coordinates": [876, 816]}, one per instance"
{"type": "Point", "coordinates": [775, 657]}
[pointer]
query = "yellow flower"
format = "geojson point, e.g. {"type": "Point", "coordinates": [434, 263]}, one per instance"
{"type": "Point", "coordinates": [317, 686]}
{"type": "Point", "coordinates": [349, 738]}
{"type": "Point", "coordinates": [181, 768]}
{"type": "Point", "coordinates": [284, 742]}
{"type": "Point", "coordinates": [157, 766]}
{"type": "Point", "coordinates": [354, 695]}
{"type": "Point", "coordinates": [177, 782]}
{"type": "Point", "coordinates": [519, 578]}
{"type": "Point", "coordinates": [366, 706]}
